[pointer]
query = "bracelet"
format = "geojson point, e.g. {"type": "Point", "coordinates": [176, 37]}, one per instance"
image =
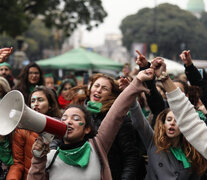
{"type": "Point", "coordinates": [163, 77]}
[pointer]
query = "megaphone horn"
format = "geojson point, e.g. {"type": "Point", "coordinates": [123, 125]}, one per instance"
{"type": "Point", "coordinates": [14, 113]}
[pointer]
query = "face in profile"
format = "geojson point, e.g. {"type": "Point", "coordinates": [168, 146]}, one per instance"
{"type": "Point", "coordinates": [100, 90]}
{"type": "Point", "coordinates": [75, 119]}
{"type": "Point", "coordinates": [33, 75]}
{"type": "Point", "coordinates": [171, 128]}
{"type": "Point", "coordinates": [39, 102]}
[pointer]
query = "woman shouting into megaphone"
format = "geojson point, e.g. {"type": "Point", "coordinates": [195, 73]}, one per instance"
{"type": "Point", "coordinates": [83, 154]}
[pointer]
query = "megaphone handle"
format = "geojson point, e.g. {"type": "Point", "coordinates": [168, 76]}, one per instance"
{"type": "Point", "coordinates": [47, 137]}
{"type": "Point", "coordinates": [37, 153]}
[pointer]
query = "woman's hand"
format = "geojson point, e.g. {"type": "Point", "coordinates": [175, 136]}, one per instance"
{"type": "Point", "coordinates": [186, 58]}
{"type": "Point", "coordinates": [4, 53]}
{"type": "Point", "coordinates": [141, 60]}
{"type": "Point", "coordinates": [40, 146]}
{"type": "Point", "coordinates": [123, 83]}
{"type": "Point", "coordinates": [146, 75]}
{"type": "Point", "coordinates": [158, 65]}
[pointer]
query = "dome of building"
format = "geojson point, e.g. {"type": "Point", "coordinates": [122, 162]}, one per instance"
{"type": "Point", "coordinates": [196, 6]}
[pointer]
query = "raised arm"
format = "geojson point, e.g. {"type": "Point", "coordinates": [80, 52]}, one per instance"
{"type": "Point", "coordinates": [191, 71]}
{"type": "Point", "coordinates": [141, 124]}
{"type": "Point", "coordinates": [187, 118]}
{"type": "Point", "coordinates": [112, 122]}
{"type": "Point", "coordinates": [193, 75]}
{"type": "Point", "coordinates": [154, 98]}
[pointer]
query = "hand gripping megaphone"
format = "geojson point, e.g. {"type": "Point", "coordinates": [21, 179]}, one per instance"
{"type": "Point", "coordinates": [14, 113]}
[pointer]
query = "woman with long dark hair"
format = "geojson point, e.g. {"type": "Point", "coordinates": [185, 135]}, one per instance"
{"type": "Point", "coordinates": [30, 77]}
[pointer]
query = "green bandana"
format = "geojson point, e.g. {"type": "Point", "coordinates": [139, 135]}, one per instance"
{"type": "Point", "coordinates": [76, 157]}
{"type": "Point", "coordinates": [6, 64]}
{"type": "Point", "coordinates": [31, 88]}
{"type": "Point", "coordinates": [201, 115]}
{"type": "Point", "coordinates": [94, 107]}
{"type": "Point", "coordinates": [48, 75]}
{"type": "Point", "coordinates": [6, 152]}
{"type": "Point", "coordinates": [145, 112]}
{"type": "Point", "coordinates": [180, 156]}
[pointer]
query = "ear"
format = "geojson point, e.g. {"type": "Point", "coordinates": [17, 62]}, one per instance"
{"type": "Point", "coordinates": [87, 130]}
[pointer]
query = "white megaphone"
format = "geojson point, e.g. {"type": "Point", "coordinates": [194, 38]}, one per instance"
{"type": "Point", "coordinates": [14, 113]}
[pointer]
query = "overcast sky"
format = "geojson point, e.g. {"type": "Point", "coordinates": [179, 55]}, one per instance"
{"type": "Point", "coordinates": [117, 10]}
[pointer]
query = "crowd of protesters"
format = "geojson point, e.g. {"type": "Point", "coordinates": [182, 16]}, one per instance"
{"type": "Point", "coordinates": [132, 127]}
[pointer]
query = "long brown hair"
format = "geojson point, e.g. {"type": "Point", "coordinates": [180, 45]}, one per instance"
{"type": "Point", "coordinates": [194, 93]}
{"type": "Point", "coordinates": [115, 91]}
{"type": "Point", "coordinates": [54, 110]}
{"type": "Point", "coordinates": [163, 143]}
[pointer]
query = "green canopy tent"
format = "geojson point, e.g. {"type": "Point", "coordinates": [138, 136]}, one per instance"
{"type": "Point", "coordinates": [80, 59]}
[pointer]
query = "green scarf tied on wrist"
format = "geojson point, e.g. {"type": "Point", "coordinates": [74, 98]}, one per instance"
{"type": "Point", "coordinates": [94, 107]}
{"type": "Point", "coordinates": [6, 152]}
{"type": "Point", "coordinates": [180, 156]}
{"type": "Point", "coordinates": [76, 157]}
{"type": "Point", "coordinates": [201, 115]}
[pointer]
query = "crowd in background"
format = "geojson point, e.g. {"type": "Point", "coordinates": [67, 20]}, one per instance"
{"type": "Point", "coordinates": [144, 124]}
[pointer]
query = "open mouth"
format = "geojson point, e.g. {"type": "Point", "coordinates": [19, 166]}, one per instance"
{"type": "Point", "coordinates": [171, 130]}
{"type": "Point", "coordinates": [70, 129]}
{"type": "Point", "coordinates": [37, 109]}
{"type": "Point", "coordinates": [96, 97]}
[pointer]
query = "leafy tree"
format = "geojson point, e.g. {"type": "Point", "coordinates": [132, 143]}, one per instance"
{"type": "Point", "coordinates": [17, 15]}
{"type": "Point", "coordinates": [170, 27]}
{"type": "Point", "coordinates": [203, 18]}
{"type": "Point", "coordinates": [6, 41]}
{"type": "Point", "coordinates": [39, 37]}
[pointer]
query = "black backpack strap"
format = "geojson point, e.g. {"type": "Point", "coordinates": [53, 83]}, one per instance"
{"type": "Point", "coordinates": [53, 160]}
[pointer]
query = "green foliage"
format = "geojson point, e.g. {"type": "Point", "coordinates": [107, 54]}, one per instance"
{"type": "Point", "coordinates": [6, 41]}
{"type": "Point", "coordinates": [16, 15]}
{"type": "Point", "coordinates": [168, 26]}
{"type": "Point", "coordinates": [38, 37]}
{"type": "Point", "coordinates": [203, 18]}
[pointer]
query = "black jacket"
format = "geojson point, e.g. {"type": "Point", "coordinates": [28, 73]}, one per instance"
{"type": "Point", "coordinates": [195, 79]}
{"type": "Point", "coordinates": [124, 157]}
{"type": "Point", "coordinates": [154, 99]}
